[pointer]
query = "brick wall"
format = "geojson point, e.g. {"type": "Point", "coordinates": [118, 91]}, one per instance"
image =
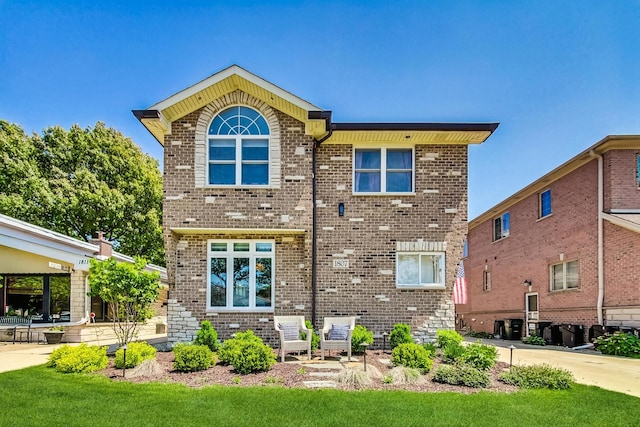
{"type": "Point", "coordinates": [620, 180]}
{"type": "Point", "coordinates": [533, 245]}
{"type": "Point", "coordinates": [367, 235]}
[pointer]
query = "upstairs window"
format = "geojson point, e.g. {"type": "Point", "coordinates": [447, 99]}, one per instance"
{"type": "Point", "coordinates": [486, 280]}
{"type": "Point", "coordinates": [564, 276]}
{"type": "Point", "coordinates": [638, 172]}
{"type": "Point", "coordinates": [501, 226]}
{"type": "Point", "coordinates": [383, 170]}
{"type": "Point", "coordinates": [545, 204]}
{"type": "Point", "coordinates": [238, 148]}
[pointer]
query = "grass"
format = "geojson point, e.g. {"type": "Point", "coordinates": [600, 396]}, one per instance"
{"type": "Point", "coordinates": [36, 396]}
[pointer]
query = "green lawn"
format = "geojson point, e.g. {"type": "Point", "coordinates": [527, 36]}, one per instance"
{"type": "Point", "coordinates": [42, 397]}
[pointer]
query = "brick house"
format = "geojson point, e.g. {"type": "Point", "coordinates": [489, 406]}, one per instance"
{"type": "Point", "coordinates": [244, 161]}
{"type": "Point", "coordinates": [565, 249]}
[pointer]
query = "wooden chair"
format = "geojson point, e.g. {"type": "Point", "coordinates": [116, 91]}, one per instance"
{"type": "Point", "coordinates": [336, 334]}
{"type": "Point", "coordinates": [290, 328]}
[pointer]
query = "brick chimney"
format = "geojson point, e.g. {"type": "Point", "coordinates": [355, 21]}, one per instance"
{"type": "Point", "coordinates": [105, 248]}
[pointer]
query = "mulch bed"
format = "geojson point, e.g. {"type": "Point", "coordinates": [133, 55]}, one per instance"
{"type": "Point", "coordinates": [293, 375]}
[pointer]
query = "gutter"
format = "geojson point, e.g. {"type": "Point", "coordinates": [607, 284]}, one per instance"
{"type": "Point", "coordinates": [600, 301]}
{"type": "Point", "coordinates": [326, 116]}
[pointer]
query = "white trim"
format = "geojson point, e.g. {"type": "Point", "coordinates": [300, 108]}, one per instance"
{"type": "Point", "coordinates": [564, 276]}
{"type": "Point", "coordinates": [383, 171]}
{"type": "Point", "coordinates": [229, 254]}
{"type": "Point", "coordinates": [441, 264]}
{"type": "Point", "coordinates": [228, 72]}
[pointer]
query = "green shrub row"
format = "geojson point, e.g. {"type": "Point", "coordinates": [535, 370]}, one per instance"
{"type": "Point", "coordinates": [247, 353]}
{"type": "Point", "coordinates": [619, 344]}
{"type": "Point", "coordinates": [192, 357]}
{"type": "Point", "coordinates": [412, 355]}
{"type": "Point", "coordinates": [360, 335]}
{"type": "Point", "coordinates": [447, 337]}
{"type": "Point", "coordinates": [207, 335]}
{"type": "Point", "coordinates": [462, 374]}
{"type": "Point", "coordinates": [82, 358]}
{"type": "Point", "coordinates": [137, 352]}
{"type": "Point", "coordinates": [538, 376]}
{"type": "Point", "coordinates": [480, 335]}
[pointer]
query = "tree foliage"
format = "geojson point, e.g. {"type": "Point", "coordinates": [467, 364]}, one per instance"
{"type": "Point", "coordinates": [81, 181]}
{"type": "Point", "coordinates": [129, 291]}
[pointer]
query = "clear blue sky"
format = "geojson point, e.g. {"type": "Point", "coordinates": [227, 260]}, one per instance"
{"type": "Point", "coordinates": [557, 75]}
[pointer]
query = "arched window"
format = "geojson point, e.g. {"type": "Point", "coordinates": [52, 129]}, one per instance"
{"type": "Point", "coordinates": [238, 148]}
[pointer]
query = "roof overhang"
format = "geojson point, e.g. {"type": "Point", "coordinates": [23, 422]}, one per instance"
{"type": "Point", "coordinates": [611, 142]}
{"type": "Point", "coordinates": [190, 231]}
{"type": "Point", "coordinates": [158, 117]}
{"type": "Point", "coordinates": [628, 221]}
{"type": "Point", "coordinates": [410, 133]}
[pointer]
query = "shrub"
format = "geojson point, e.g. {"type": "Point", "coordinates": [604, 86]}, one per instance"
{"type": "Point", "coordinates": [247, 353]}
{"type": "Point", "coordinates": [137, 352]}
{"type": "Point", "coordinates": [401, 334]}
{"type": "Point", "coordinates": [192, 357]}
{"type": "Point", "coordinates": [534, 340]}
{"type": "Point", "coordinates": [83, 358]}
{"type": "Point", "coordinates": [538, 376]}
{"type": "Point", "coordinates": [360, 335]}
{"type": "Point", "coordinates": [480, 356]}
{"type": "Point", "coordinates": [207, 335]}
{"type": "Point", "coordinates": [461, 374]}
{"type": "Point", "coordinates": [404, 375]}
{"type": "Point", "coordinates": [619, 344]}
{"type": "Point", "coordinates": [481, 335]}
{"type": "Point", "coordinates": [315, 338]}
{"type": "Point", "coordinates": [431, 348]}
{"type": "Point", "coordinates": [446, 337]}
{"type": "Point", "coordinates": [412, 355]}
{"type": "Point", "coordinates": [452, 353]}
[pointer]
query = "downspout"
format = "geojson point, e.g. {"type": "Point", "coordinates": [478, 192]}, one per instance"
{"type": "Point", "coordinates": [326, 115]}
{"type": "Point", "coordinates": [600, 302]}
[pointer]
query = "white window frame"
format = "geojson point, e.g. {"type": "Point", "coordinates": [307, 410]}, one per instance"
{"type": "Point", "coordinates": [252, 254]}
{"type": "Point", "coordinates": [564, 276]}
{"type": "Point", "coordinates": [540, 196]}
{"type": "Point", "coordinates": [503, 233]}
{"type": "Point", "coordinates": [383, 171]}
{"type": "Point", "coordinates": [442, 266]}
{"type": "Point", "coordinates": [238, 162]}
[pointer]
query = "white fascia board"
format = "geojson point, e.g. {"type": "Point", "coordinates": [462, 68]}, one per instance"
{"type": "Point", "coordinates": [227, 72]}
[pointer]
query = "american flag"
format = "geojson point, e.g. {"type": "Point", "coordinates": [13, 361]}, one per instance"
{"type": "Point", "coordinates": [460, 287]}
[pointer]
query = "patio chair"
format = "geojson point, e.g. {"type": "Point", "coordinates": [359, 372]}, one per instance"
{"type": "Point", "coordinates": [336, 334]}
{"type": "Point", "coordinates": [290, 328]}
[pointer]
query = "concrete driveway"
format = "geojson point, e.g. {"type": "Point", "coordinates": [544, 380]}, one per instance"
{"type": "Point", "coordinates": [588, 366]}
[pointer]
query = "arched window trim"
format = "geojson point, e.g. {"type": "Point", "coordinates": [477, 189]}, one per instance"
{"type": "Point", "coordinates": [249, 156]}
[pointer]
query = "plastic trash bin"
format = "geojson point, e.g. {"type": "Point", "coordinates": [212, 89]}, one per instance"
{"type": "Point", "coordinates": [572, 335]}
{"type": "Point", "coordinates": [540, 328]}
{"type": "Point", "coordinates": [596, 331]}
{"type": "Point", "coordinates": [516, 328]}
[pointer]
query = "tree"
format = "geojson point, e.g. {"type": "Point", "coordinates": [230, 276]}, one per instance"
{"type": "Point", "coordinates": [128, 289]}
{"type": "Point", "coordinates": [81, 181]}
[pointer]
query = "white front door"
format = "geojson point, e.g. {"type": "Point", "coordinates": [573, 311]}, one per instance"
{"type": "Point", "coordinates": [531, 308]}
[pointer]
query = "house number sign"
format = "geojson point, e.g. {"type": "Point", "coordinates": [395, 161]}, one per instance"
{"type": "Point", "coordinates": [340, 263]}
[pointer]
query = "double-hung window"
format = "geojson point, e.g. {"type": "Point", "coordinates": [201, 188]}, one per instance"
{"type": "Point", "coordinates": [238, 148]}
{"type": "Point", "coordinates": [420, 269]}
{"type": "Point", "coordinates": [501, 226]}
{"type": "Point", "coordinates": [564, 276]}
{"type": "Point", "coordinates": [383, 170]}
{"type": "Point", "coordinates": [545, 203]}
{"type": "Point", "coordinates": [241, 275]}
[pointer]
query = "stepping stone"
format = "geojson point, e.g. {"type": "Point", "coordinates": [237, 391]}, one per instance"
{"type": "Point", "coordinates": [323, 374]}
{"type": "Point", "coordinates": [320, 384]}
{"type": "Point", "coordinates": [385, 361]}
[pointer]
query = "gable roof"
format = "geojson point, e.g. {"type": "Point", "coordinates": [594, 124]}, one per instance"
{"type": "Point", "coordinates": [611, 142]}
{"type": "Point", "coordinates": [158, 117]}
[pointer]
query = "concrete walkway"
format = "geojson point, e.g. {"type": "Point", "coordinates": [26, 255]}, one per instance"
{"type": "Point", "coordinates": [589, 367]}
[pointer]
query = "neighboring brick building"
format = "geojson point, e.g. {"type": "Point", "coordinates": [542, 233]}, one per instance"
{"type": "Point", "coordinates": [565, 249]}
{"type": "Point", "coordinates": [243, 163]}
